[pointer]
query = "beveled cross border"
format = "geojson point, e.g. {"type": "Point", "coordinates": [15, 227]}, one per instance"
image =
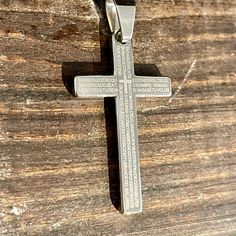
{"type": "Point", "coordinates": [125, 86]}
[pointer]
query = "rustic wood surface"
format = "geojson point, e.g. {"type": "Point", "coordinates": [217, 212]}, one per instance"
{"type": "Point", "coordinates": [58, 169]}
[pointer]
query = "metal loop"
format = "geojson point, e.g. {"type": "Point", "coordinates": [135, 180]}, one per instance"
{"type": "Point", "coordinates": [121, 18]}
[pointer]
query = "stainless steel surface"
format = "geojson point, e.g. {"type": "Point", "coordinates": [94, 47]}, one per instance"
{"type": "Point", "coordinates": [125, 86]}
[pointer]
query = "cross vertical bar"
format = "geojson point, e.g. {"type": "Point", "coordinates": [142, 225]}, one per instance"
{"type": "Point", "coordinates": [130, 181]}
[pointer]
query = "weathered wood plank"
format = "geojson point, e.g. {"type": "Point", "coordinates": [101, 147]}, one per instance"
{"type": "Point", "coordinates": [57, 168]}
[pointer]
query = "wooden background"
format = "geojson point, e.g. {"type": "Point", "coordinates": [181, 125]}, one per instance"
{"type": "Point", "coordinates": [58, 169]}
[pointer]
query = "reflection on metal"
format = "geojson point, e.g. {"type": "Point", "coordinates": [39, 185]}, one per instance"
{"type": "Point", "coordinates": [121, 19]}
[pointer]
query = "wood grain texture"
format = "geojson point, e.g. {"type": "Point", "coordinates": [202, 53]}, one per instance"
{"type": "Point", "coordinates": [58, 165]}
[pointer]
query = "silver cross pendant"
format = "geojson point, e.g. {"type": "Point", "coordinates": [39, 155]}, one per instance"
{"type": "Point", "coordinates": [125, 86]}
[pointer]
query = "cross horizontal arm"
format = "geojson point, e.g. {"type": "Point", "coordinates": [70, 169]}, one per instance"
{"type": "Point", "coordinates": [96, 86]}
{"type": "Point", "coordinates": [152, 86]}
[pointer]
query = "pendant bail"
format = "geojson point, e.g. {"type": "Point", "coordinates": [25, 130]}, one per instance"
{"type": "Point", "coordinates": [121, 17]}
